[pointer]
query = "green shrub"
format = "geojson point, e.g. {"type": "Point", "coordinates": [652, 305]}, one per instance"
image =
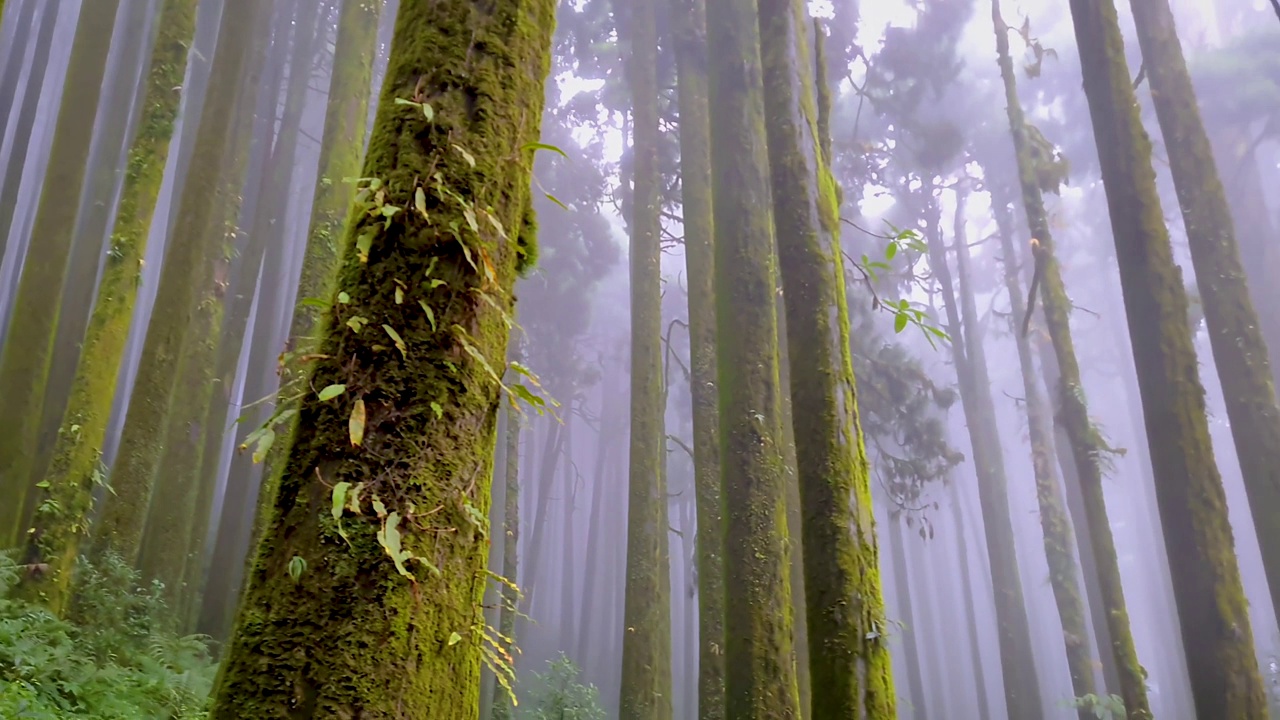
{"type": "Point", "coordinates": [109, 659]}
{"type": "Point", "coordinates": [557, 695]}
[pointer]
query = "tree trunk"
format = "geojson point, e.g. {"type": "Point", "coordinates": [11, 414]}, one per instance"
{"type": "Point", "coordinates": [187, 262]}
{"type": "Point", "coordinates": [760, 680]}
{"type": "Point", "coordinates": [1206, 576]}
{"type": "Point", "coordinates": [1235, 335]}
{"type": "Point", "coordinates": [74, 471]}
{"type": "Point", "coordinates": [699, 255]}
{"type": "Point", "coordinates": [502, 705]}
{"type": "Point", "coordinates": [646, 646]}
{"type": "Point", "coordinates": [1017, 661]}
{"type": "Point", "coordinates": [970, 611]}
{"type": "Point", "coordinates": [848, 662]}
{"type": "Point", "coordinates": [1059, 540]}
{"type": "Point", "coordinates": [911, 641]}
{"type": "Point", "coordinates": [421, 411]}
{"type": "Point", "coordinates": [29, 343]}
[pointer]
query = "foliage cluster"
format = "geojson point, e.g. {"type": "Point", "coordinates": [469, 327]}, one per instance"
{"type": "Point", "coordinates": [110, 658]}
{"type": "Point", "coordinates": [557, 695]}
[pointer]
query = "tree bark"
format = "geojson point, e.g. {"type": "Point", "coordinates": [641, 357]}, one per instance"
{"type": "Point", "coordinates": [420, 398]}
{"type": "Point", "coordinates": [1212, 608]}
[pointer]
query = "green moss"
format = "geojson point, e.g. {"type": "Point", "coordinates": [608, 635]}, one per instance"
{"type": "Point", "coordinates": [29, 344]}
{"type": "Point", "coordinates": [848, 663]}
{"type": "Point", "coordinates": [1059, 540]}
{"type": "Point", "coordinates": [75, 467]}
{"type": "Point", "coordinates": [699, 253]}
{"type": "Point", "coordinates": [646, 692]}
{"type": "Point", "coordinates": [760, 677]}
{"type": "Point", "coordinates": [1212, 609]}
{"type": "Point", "coordinates": [187, 259]}
{"type": "Point", "coordinates": [1235, 332]}
{"type": "Point", "coordinates": [385, 649]}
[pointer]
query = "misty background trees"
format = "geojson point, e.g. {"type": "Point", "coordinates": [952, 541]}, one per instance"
{"type": "Point", "coordinates": [660, 360]}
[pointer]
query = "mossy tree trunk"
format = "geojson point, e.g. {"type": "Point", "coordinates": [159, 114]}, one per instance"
{"type": "Point", "coordinates": [75, 465]}
{"type": "Point", "coordinates": [646, 645]}
{"type": "Point", "coordinates": [503, 709]}
{"type": "Point", "coordinates": [848, 661]}
{"type": "Point", "coordinates": [1212, 608]}
{"type": "Point", "coordinates": [760, 680]}
{"type": "Point", "coordinates": [1017, 661]}
{"type": "Point", "coordinates": [1086, 445]}
{"type": "Point", "coordinates": [690, 40]}
{"type": "Point", "coordinates": [1059, 539]}
{"type": "Point", "coordinates": [1235, 334]}
{"type": "Point", "coordinates": [29, 343]}
{"type": "Point", "coordinates": [345, 634]}
{"type": "Point", "coordinates": [187, 262]}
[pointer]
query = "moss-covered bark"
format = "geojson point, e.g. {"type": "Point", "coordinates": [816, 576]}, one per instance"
{"type": "Point", "coordinates": [186, 260]}
{"type": "Point", "coordinates": [29, 342]}
{"type": "Point", "coordinates": [690, 40]}
{"type": "Point", "coordinates": [760, 679]}
{"type": "Point", "coordinates": [75, 463]}
{"type": "Point", "coordinates": [341, 149]}
{"type": "Point", "coordinates": [1017, 661]}
{"type": "Point", "coordinates": [646, 692]}
{"type": "Point", "coordinates": [1059, 539]}
{"type": "Point", "coordinates": [1212, 608]}
{"type": "Point", "coordinates": [1086, 448]}
{"type": "Point", "coordinates": [848, 662]}
{"type": "Point", "coordinates": [346, 635]}
{"type": "Point", "coordinates": [1239, 350]}
{"type": "Point", "coordinates": [503, 709]}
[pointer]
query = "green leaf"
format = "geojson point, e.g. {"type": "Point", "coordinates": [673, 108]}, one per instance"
{"type": "Point", "coordinates": [431, 316]}
{"type": "Point", "coordinates": [439, 411]}
{"type": "Point", "coordinates": [900, 323]}
{"type": "Point", "coordinates": [395, 337]}
{"type": "Point", "coordinates": [339, 505]}
{"type": "Point", "coordinates": [535, 146]}
{"type": "Point", "coordinates": [331, 392]}
{"type": "Point", "coordinates": [344, 298]}
{"type": "Point", "coordinates": [471, 160]}
{"type": "Point", "coordinates": [891, 250]}
{"type": "Point", "coordinates": [363, 243]}
{"type": "Point", "coordinates": [264, 445]}
{"type": "Point", "coordinates": [556, 200]}
{"type": "Point", "coordinates": [355, 423]}
{"type": "Point", "coordinates": [402, 101]}
{"type": "Point", "coordinates": [420, 201]}
{"type": "Point", "coordinates": [357, 323]}
{"type": "Point", "coordinates": [297, 566]}
{"type": "Point", "coordinates": [389, 538]}
{"type": "Point", "coordinates": [313, 303]}
{"type": "Point", "coordinates": [428, 112]}
{"type": "Point", "coordinates": [399, 296]}
{"type": "Point", "coordinates": [454, 638]}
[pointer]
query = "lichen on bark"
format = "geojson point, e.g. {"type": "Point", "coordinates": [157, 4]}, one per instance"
{"type": "Point", "coordinates": [848, 663]}
{"type": "Point", "coordinates": [1212, 608]}
{"type": "Point", "coordinates": [75, 466]}
{"type": "Point", "coordinates": [348, 636]}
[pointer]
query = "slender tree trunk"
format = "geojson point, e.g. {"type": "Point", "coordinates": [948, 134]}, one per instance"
{"type": "Point", "coordinates": [1017, 661]}
{"type": "Point", "coordinates": [910, 643]}
{"type": "Point", "coordinates": [502, 705]}
{"type": "Point", "coordinates": [1059, 540]}
{"type": "Point", "coordinates": [1235, 335]}
{"type": "Point", "coordinates": [1212, 607]}
{"type": "Point", "coordinates": [699, 255]}
{"type": "Point", "coordinates": [29, 343]}
{"type": "Point", "coordinates": [566, 620]}
{"type": "Point", "coordinates": [760, 679]}
{"type": "Point", "coordinates": [74, 471]}
{"type": "Point", "coordinates": [969, 600]}
{"type": "Point", "coordinates": [848, 662]}
{"type": "Point", "coordinates": [389, 649]}
{"type": "Point", "coordinates": [646, 645]}
{"type": "Point", "coordinates": [594, 580]}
